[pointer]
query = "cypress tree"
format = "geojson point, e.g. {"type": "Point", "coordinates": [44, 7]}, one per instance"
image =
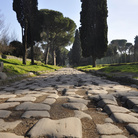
{"type": "Point", "coordinates": [76, 49]}
{"type": "Point", "coordinates": [93, 30]}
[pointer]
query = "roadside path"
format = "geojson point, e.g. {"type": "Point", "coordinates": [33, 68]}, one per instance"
{"type": "Point", "coordinates": [68, 103]}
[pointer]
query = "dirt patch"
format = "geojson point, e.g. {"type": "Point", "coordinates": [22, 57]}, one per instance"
{"type": "Point", "coordinates": [58, 111]}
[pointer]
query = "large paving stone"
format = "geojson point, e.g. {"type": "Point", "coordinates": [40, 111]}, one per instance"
{"type": "Point", "coordinates": [75, 106]}
{"type": "Point", "coordinates": [22, 99]}
{"type": "Point", "coordinates": [132, 102]}
{"type": "Point", "coordinates": [4, 126]}
{"type": "Point", "coordinates": [115, 109]}
{"type": "Point", "coordinates": [9, 135]}
{"type": "Point", "coordinates": [124, 118]}
{"type": "Point", "coordinates": [8, 105]}
{"type": "Point", "coordinates": [135, 108]}
{"type": "Point", "coordinates": [33, 106]}
{"type": "Point", "coordinates": [25, 91]}
{"type": "Point", "coordinates": [30, 114]}
{"type": "Point", "coordinates": [71, 90]}
{"type": "Point", "coordinates": [55, 96]}
{"type": "Point", "coordinates": [4, 113]}
{"type": "Point", "coordinates": [104, 102]}
{"type": "Point", "coordinates": [78, 100]}
{"type": "Point", "coordinates": [70, 93]}
{"type": "Point", "coordinates": [113, 136]}
{"type": "Point", "coordinates": [121, 88]}
{"type": "Point", "coordinates": [133, 129]}
{"type": "Point", "coordinates": [49, 101]}
{"type": "Point", "coordinates": [108, 129]}
{"type": "Point", "coordinates": [3, 96]}
{"type": "Point", "coordinates": [95, 92]}
{"type": "Point", "coordinates": [80, 115]}
{"type": "Point", "coordinates": [68, 127]}
{"type": "Point", "coordinates": [50, 91]}
{"type": "Point", "coordinates": [108, 120]}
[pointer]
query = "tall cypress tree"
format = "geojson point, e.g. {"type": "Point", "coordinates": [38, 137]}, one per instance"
{"type": "Point", "coordinates": [93, 30]}
{"type": "Point", "coordinates": [76, 49]}
{"type": "Point", "coordinates": [136, 49]}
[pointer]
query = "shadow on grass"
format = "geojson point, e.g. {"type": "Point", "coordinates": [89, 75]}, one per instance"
{"type": "Point", "coordinates": [9, 62]}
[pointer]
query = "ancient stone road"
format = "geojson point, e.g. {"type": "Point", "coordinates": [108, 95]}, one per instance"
{"type": "Point", "coordinates": [55, 104]}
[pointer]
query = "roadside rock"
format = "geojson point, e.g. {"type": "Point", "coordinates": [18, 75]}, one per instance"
{"type": "Point", "coordinates": [3, 76]}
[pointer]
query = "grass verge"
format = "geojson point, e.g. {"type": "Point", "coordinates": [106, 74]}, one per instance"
{"type": "Point", "coordinates": [122, 68]}
{"type": "Point", "coordinates": [15, 67]}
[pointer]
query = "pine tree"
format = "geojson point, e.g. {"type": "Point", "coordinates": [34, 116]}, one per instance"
{"type": "Point", "coordinates": [76, 49]}
{"type": "Point", "coordinates": [93, 30]}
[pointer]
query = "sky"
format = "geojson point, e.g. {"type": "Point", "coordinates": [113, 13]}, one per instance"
{"type": "Point", "coordinates": [122, 16]}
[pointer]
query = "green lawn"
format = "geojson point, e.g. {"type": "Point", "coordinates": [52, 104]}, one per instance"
{"type": "Point", "coordinates": [15, 67]}
{"type": "Point", "coordinates": [128, 68]}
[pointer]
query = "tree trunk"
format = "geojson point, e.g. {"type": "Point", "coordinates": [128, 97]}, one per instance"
{"type": "Point", "coordinates": [54, 57]}
{"type": "Point", "coordinates": [32, 54]}
{"type": "Point", "coordinates": [25, 43]}
{"type": "Point", "coordinates": [46, 55]}
{"type": "Point", "coordinates": [22, 43]}
{"type": "Point", "coordinates": [93, 61]}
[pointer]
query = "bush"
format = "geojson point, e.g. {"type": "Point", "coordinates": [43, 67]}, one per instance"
{"type": "Point", "coordinates": [4, 56]}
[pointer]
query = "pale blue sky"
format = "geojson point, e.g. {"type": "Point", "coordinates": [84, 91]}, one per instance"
{"type": "Point", "coordinates": [122, 16]}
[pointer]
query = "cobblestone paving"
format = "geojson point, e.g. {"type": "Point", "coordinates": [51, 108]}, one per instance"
{"type": "Point", "coordinates": [56, 104]}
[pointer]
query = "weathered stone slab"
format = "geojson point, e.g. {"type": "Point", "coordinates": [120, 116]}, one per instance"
{"type": "Point", "coordinates": [124, 118]}
{"type": "Point", "coordinates": [55, 96]}
{"type": "Point", "coordinates": [107, 96]}
{"type": "Point", "coordinates": [94, 97]}
{"type": "Point", "coordinates": [133, 129]}
{"type": "Point", "coordinates": [113, 136]}
{"type": "Point", "coordinates": [95, 92]}
{"type": "Point", "coordinates": [4, 113]}
{"type": "Point", "coordinates": [71, 90]}
{"type": "Point", "coordinates": [9, 135]}
{"type": "Point", "coordinates": [49, 101]}
{"type": "Point", "coordinates": [108, 120]}
{"type": "Point", "coordinates": [68, 127]}
{"type": "Point", "coordinates": [104, 102]}
{"type": "Point", "coordinates": [8, 105]}
{"type": "Point", "coordinates": [75, 106]}
{"type": "Point", "coordinates": [22, 99]}
{"type": "Point", "coordinates": [30, 114]}
{"type": "Point", "coordinates": [135, 108]}
{"type": "Point", "coordinates": [80, 115]}
{"type": "Point", "coordinates": [108, 129]}
{"type": "Point", "coordinates": [4, 96]}
{"type": "Point", "coordinates": [134, 114]}
{"type": "Point", "coordinates": [115, 109]}
{"type": "Point", "coordinates": [25, 91]}
{"type": "Point", "coordinates": [132, 102]}
{"type": "Point", "coordinates": [78, 100]}
{"type": "Point", "coordinates": [50, 91]}
{"type": "Point", "coordinates": [33, 106]}
{"type": "Point", "coordinates": [4, 126]}
{"type": "Point", "coordinates": [76, 96]}
{"type": "Point", "coordinates": [70, 93]}
{"type": "Point", "coordinates": [34, 95]}
{"type": "Point", "coordinates": [121, 88]}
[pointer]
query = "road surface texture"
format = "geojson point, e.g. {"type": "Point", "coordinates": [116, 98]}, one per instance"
{"type": "Point", "coordinates": [68, 103]}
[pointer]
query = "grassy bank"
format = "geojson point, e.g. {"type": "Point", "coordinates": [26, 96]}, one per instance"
{"type": "Point", "coordinates": [114, 68]}
{"type": "Point", "coordinates": [15, 67]}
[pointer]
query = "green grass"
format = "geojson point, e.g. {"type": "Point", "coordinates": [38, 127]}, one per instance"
{"type": "Point", "coordinates": [15, 67]}
{"type": "Point", "coordinates": [127, 68]}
